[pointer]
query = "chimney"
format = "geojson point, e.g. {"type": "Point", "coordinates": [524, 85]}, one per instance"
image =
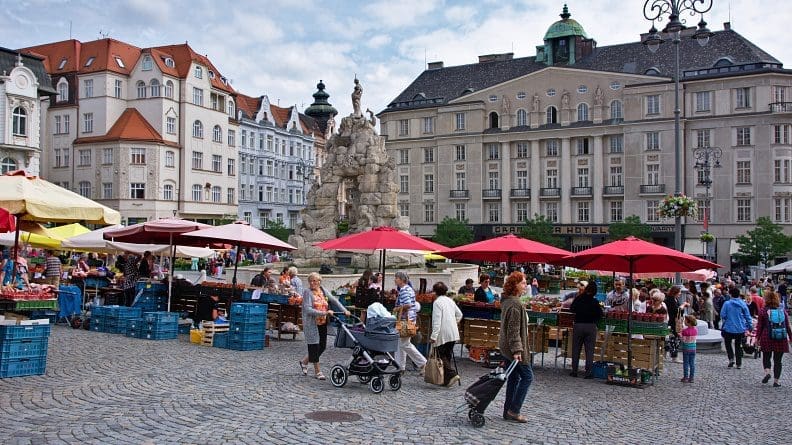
{"type": "Point", "coordinates": [495, 57]}
{"type": "Point", "coordinates": [435, 65]}
{"type": "Point", "coordinates": [727, 26]}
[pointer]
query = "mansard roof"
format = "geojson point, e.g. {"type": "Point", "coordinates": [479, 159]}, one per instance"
{"type": "Point", "coordinates": [8, 61]}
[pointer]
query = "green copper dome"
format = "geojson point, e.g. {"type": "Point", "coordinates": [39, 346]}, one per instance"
{"type": "Point", "coordinates": [565, 27]}
{"type": "Point", "coordinates": [321, 107]}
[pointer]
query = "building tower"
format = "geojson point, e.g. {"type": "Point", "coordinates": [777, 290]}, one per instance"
{"type": "Point", "coordinates": [321, 109]}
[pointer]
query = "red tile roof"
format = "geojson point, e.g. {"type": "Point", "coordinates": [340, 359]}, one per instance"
{"type": "Point", "coordinates": [183, 55]}
{"type": "Point", "coordinates": [54, 53]}
{"type": "Point", "coordinates": [248, 105]}
{"type": "Point", "coordinates": [130, 126]}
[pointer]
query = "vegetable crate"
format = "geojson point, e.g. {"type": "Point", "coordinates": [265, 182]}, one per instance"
{"type": "Point", "coordinates": [24, 332]}
{"type": "Point", "coordinates": [25, 305]}
{"type": "Point", "coordinates": [23, 367]}
{"type": "Point", "coordinates": [248, 313]}
{"type": "Point", "coordinates": [23, 350]}
{"type": "Point", "coordinates": [481, 333]}
{"type": "Point", "coordinates": [275, 298]}
{"type": "Point", "coordinates": [210, 329]}
{"type": "Point", "coordinates": [247, 345]}
{"type": "Point", "coordinates": [220, 341]}
{"type": "Point", "coordinates": [29, 348]}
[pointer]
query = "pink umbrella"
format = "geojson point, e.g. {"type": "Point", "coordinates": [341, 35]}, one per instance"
{"type": "Point", "coordinates": [507, 248]}
{"type": "Point", "coordinates": [240, 234]}
{"type": "Point", "coordinates": [381, 238]}
{"type": "Point", "coordinates": [160, 231]}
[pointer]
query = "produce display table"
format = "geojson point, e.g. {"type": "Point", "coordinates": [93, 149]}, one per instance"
{"type": "Point", "coordinates": [647, 352]}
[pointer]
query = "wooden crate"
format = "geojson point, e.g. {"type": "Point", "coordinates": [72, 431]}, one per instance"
{"type": "Point", "coordinates": [210, 329]}
{"type": "Point", "coordinates": [538, 338]}
{"type": "Point", "coordinates": [647, 353]}
{"type": "Point", "coordinates": [277, 314]}
{"type": "Point", "coordinates": [481, 333]}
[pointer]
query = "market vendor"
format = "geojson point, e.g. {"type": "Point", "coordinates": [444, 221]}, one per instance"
{"type": "Point", "coordinates": [53, 269]}
{"type": "Point", "coordinates": [484, 293]}
{"type": "Point", "coordinates": [14, 272]}
{"type": "Point", "coordinates": [467, 288]}
{"type": "Point", "coordinates": [569, 297]}
{"type": "Point", "coordinates": [207, 309]}
{"type": "Point", "coordinates": [619, 297]}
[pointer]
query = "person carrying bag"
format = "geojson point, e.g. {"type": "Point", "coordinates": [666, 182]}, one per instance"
{"type": "Point", "coordinates": [404, 326]}
{"type": "Point", "coordinates": [433, 372]}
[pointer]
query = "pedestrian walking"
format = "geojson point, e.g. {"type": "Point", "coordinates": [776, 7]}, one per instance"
{"type": "Point", "coordinates": [513, 344]}
{"type": "Point", "coordinates": [689, 335]}
{"type": "Point", "coordinates": [406, 302]}
{"type": "Point", "coordinates": [315, 311]}
{"type": "Point", "coordinates": [736, 322]}
{"type": "Point", "coordinates": [445, 331]}
{"type": "Point", "coordinates": [773, 333]}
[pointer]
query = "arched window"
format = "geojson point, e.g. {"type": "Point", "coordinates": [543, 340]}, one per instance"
{"type": "Point", "coordinates": [582, 111]}
{"type": "Point", "coordinates": [7, 165]}
{"type": "Point", "coordinates": [723, 61]}
{"type": "Point", "coordinates": [217, 134]}
{"type": "Point", "coordinates": [141, 89]}
{"type": "Point", "coordinates": [19, 121]}
{"type": "Point", "coordinates": [197, 129]}
{"type": "Point", "coordinates": [231, 109]}
{"type": "Point", "coordinates": [197, 194]}
{"type": "Point", "coordinates": [551, 115]}
{"type": "Point", "coordinates": [155, 88]}
{"type": "Point", "coordinates": [63, 90]}
{"type": "Point", "coordinates": [493, 120]}
{"type": "Point", "coordinates": [652, 72]}
{"type": "Point", "coordinates": [169, 89]}
{"type": "Point", "coordinates": [522, 118]}
{"type": "Point", "coordinates": [147, 64]}
{"type": "Point", "coordinates": [616, 110]}
{"type": "Point", "coordinates": [167, 192]}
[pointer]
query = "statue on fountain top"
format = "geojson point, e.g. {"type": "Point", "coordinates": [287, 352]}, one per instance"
{"type": "Point", "coordinates": [356, 95]}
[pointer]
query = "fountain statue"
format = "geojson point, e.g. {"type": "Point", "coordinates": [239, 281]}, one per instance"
{"type": "Point", "coordinates": [358, 170]}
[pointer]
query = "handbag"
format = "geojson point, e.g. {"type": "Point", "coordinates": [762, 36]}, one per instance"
{"type": "Point", "coordinates": [404, 326]}
{"type": "Point", "coordinates": [680, 321]}
{"type": "Point", "coordinates": [434, 372]}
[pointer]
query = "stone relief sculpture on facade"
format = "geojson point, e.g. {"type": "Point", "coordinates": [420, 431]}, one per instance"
{"type": "Point", "coordinates": [598, 96]}
{"type": "Point", "coordinates": [358, 170]}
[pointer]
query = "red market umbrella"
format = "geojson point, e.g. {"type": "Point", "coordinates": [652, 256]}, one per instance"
{"type": "Point", "coordinates": [635, 256]}
{"type": "Point", "coordinates": [239, 234]}
{"type": "Point", "coordinates": [381, 238]}
{"type": "Point", "coordinates": [7, 221]}
{"type": "Point", "coordinates": [160, 231]}
{"type": "Point", "coordinates": [509, 249]}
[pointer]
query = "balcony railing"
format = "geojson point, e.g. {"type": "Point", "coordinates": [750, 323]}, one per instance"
{"type": "Point", "coordinates": [459, 194]}
{"type": "Point", "coordinates": [613, 190]}
{"type": "Point", "coordinates": [550, 192]}
{"type": "Point", "coordinates": [781, 107]}
{"type": "Point", "coordinates": [491, 193]}
{"type": "Point", "coordinates": [520, 193]}
{"type": "Point", "coordinates": [652, 189]}
{"type": "Point", "coordinates": [581, 191]}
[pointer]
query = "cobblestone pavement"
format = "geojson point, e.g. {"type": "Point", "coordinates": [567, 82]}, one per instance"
{"type": "Point", "coordinates": [104, 388]}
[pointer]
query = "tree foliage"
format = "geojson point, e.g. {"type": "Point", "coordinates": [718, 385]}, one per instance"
{"type": "Point", "coordinates": [764, 243]}
{"type": "Point", "coordinates": [541, 229]}
{"type": "Point", "coordinates": [630, 226]}
{"type": "Point", "coordinates": [452, 232]}
{"type": "Point", "coordinates": [277, 229]}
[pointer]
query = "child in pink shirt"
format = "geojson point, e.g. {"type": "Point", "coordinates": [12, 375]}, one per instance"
{"type": "Point", "coordinates": [688, 347]}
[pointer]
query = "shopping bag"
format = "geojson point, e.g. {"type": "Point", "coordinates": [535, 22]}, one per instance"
{"type": "Point", "coordinates": [404, 326]}
{"type": "Point", "coordinates": [680, 321]}
{"type": "Point", "coordinates": [433, 372]}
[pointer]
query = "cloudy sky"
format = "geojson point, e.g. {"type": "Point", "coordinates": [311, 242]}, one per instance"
{"type": "Point", "coordinates": [283, 47]}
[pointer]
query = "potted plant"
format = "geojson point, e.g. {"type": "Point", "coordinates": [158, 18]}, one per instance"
{"type": "Point", "coordinates": [677, 206]}
{"type": "Point", "coordinates": [707, 237]}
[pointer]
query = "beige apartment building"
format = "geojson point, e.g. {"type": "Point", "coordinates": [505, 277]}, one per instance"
{"type": "Point", "coordinates": [150, 132]}
{"type": "Point", "coordinates": [584, 135]}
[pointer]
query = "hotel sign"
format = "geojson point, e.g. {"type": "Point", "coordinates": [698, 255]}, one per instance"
{"type": "Point", "coordinates": [574, 229]}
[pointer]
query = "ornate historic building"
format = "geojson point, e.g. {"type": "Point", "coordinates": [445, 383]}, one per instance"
{"type": "Point", "coordinates": [584, 135]}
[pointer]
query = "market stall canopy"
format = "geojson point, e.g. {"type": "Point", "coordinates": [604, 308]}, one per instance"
{"type": "Point", "coordinates": [68, 231]}
{"type": "Point", "coordinates": [7, 221]}
{"type": "Point", "coordinates": [34, 199]}
{"type": "Point", "coordinates": [783, 267]}
{"type": "Point", "coordinates": [381, 238]}
{"type": "Point", "coordinates": [89, 242]}
{"type": "Point", "coordinates": [509, 249]}
{"type": "Point", "coordinates": [160, 231]}
{"type": "Point", "coordinates": [32, 239]}
{"type": "Point", "coordinates": [160, 249]}
{"type": "Point", "coordinates": [696, 275]}
{"type": "Point", "coordinates": [240, 234]}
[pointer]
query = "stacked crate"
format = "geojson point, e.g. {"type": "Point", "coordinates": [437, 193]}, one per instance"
{"type": "Point", "coordinates": [151, 297]}
{"type": "Point", "coordinates": [156, 326]}
{"type": "Point", "coordinates": [248, 326]}
{"type": "Point", "coordinates": [23, 350]}
{"type": "Point", "coordinates": [212, 331]}
{"type": "Point", "coordinates": [113, 319]}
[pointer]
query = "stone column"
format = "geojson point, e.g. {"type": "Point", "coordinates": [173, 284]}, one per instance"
{"type": "Point", "coordinates": [565, 182]}
{"type": "Point", "coordinates": [506, 182]}
{"type": "Point", "coordinates": [598, 176]}
{"type": "Point", "coordinates": [535, 178]}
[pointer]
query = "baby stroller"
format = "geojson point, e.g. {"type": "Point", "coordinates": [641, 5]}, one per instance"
{"type": "Point", "coordinates": [372, 353]}
{"type": "Point", "coordinates": [749, 344]}
{"type": "Point", "coordinates": [480, 394]}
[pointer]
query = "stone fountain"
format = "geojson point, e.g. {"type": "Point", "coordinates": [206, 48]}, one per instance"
{"type": "Point", "coordinates": [357, 185]}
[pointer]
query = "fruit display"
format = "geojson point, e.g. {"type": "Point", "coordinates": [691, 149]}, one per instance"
{"type": "Point", "coordinates": [221, 285]}
{"type": "Point", "coordinates": [427, 298]}
{"type": "Point", "coordinates": [295, 300]}
{"type": "Point", "coordinates": [34, 292]}
{"type": "Point", "coordinates": [543, 303]}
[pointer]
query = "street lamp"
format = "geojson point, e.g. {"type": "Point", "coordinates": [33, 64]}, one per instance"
{"type": "Point", "coordinates": [707, 158]}
{"type": "Point", "coordinates": [305, 172]}
{"type": "Point", "coordinates": [657, 10]}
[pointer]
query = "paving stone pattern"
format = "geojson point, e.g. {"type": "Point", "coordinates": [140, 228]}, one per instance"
{"type": "Point", "coordinates": [108, 389]}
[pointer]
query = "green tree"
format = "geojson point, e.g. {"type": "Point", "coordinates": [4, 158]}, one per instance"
{"type": "Point", "coordinates": [277, 229]}
{"type": "Point", "coordinates": [541, 229]}
{"type": "Point", "coordinates": [452, 232]}
{"type": "Point", "coordinates": [764, 243]}
{"type": "Point", "coordinates": [630, 226]}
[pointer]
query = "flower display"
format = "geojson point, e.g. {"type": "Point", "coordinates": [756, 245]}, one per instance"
{"type": "Point", "coordinates": [677, 206]}
{"type": "Point", "coordinates": [707, 237]}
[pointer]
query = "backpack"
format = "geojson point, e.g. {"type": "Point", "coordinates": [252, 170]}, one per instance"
{"type": "Point", "coordinates": [777, 324]}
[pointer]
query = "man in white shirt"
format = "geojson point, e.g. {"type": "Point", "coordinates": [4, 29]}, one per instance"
{"type": "Point", "coordinates": [619, 297]}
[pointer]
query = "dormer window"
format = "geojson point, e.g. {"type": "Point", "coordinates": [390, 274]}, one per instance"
{"type": "Point", "coordinates": [90, 61]}
{"type": "Point", "coordinates": [211, 74]}
{"type": "Point", "coordinates": [62, 63]}
{"type": "Point", "coordinates": [652, 72]}
{"type": "Point", "coordinates": [147, 64]}
{"type": "Point", "coordinates": [169, 62]}
{"type": "Point", "coordinates": [224, 80]}
{"type": "Point", "coordinates": [119, 62]}
{"type": "Point", "coordinates": [198, 72]}
{"type": "Point", "coordinates": [723, 61]}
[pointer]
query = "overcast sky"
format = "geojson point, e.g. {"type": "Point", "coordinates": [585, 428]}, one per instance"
{"type": "Point", "coordinates": [283, 47]}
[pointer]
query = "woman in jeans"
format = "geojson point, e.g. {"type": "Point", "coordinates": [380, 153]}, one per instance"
{"type": "Point", "coordinates": [445, 333]}
{"type": "Point", "coordinates": [315, 311]}
{"type": "Point", "coordinates": [587, 313]}
{"type": "Point", "coordinates": [769, 346]}
{"type": "Point", "coordinates": [736, 322]}
{"type": "Point", "coordinates": [513, 344]}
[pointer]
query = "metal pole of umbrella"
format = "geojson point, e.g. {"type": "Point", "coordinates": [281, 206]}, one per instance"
{"type": "Point", "coordinates": [629, 320]}
{"type": "Point", "coordinates": [234, 279]}
{"type": "Point", "coordinates": [170, 274]}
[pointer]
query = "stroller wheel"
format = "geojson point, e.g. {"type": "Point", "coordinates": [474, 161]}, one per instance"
{"type": "Point", "coordinates": [376, 385]}
{"type": "Point", "coordinates": [477, 419]}
{"type": "Point", "coordinates": [394, 381]}
{"type": "Point", "coordinates": [338, 376]}
{"type": "Point", "coordinates": [470, 414]}
{"type": "Point", "coordinates": [364, 379]}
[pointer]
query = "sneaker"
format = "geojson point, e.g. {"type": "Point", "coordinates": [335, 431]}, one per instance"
{"type": "Point", "coordinates": [690, 380]}
{"type": "Point", "coordinates": [776, 385]}
{"type": "Point", "coordinates": [684, 380]}
{"type": "Point", "coordinates": [731, 365]}
{"type": "Point", "coordinates": [766, 378]}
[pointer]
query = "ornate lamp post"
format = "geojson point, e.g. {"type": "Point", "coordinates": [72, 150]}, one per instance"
{"type": "Point", "coordinates": [658, 10]}
{"type": "Point", "coordinates": [305, 172]}
{"type": "Point", "coordinates": [707, 158]}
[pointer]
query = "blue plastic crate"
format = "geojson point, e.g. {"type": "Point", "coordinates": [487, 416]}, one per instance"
{"type": "Point", "coordinates": [98, 311]}
{"type": "Point", "coordinates": [248, 309]}
{"type": "Point", "coordinates": [118, 312]}
{"type": "Point", "coordinates": [249, 318]}
{"type": "Point", "coordinates": [184, 328]}
{"type": "Point", "coordinates": [161, 317]}
{"type": "Point", "coordinates": [244, 337]}
{"type": "Point", "coordinates": [50, 315]}
{"type": "Point", "coordinates": [160, 335]}
{"type": "Point", "coordinates": [22, 367]}
{"type": "Point", "coordinates": [154, 288]}
{"type": "Point", "coordinates": [249, 345]}
{"type": "Point", "coordinates": [239, 327]}
{"type": "Point", "coordinates": [275, 298]}
{"type": "Point", "coordinates": [220, 340]}
{"type": "Point", "coordinates": [24, 332]}
{"type": "Point", "coordinates": [150, 328]}
{"type": "Point", "coordinates": [29, 348]}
